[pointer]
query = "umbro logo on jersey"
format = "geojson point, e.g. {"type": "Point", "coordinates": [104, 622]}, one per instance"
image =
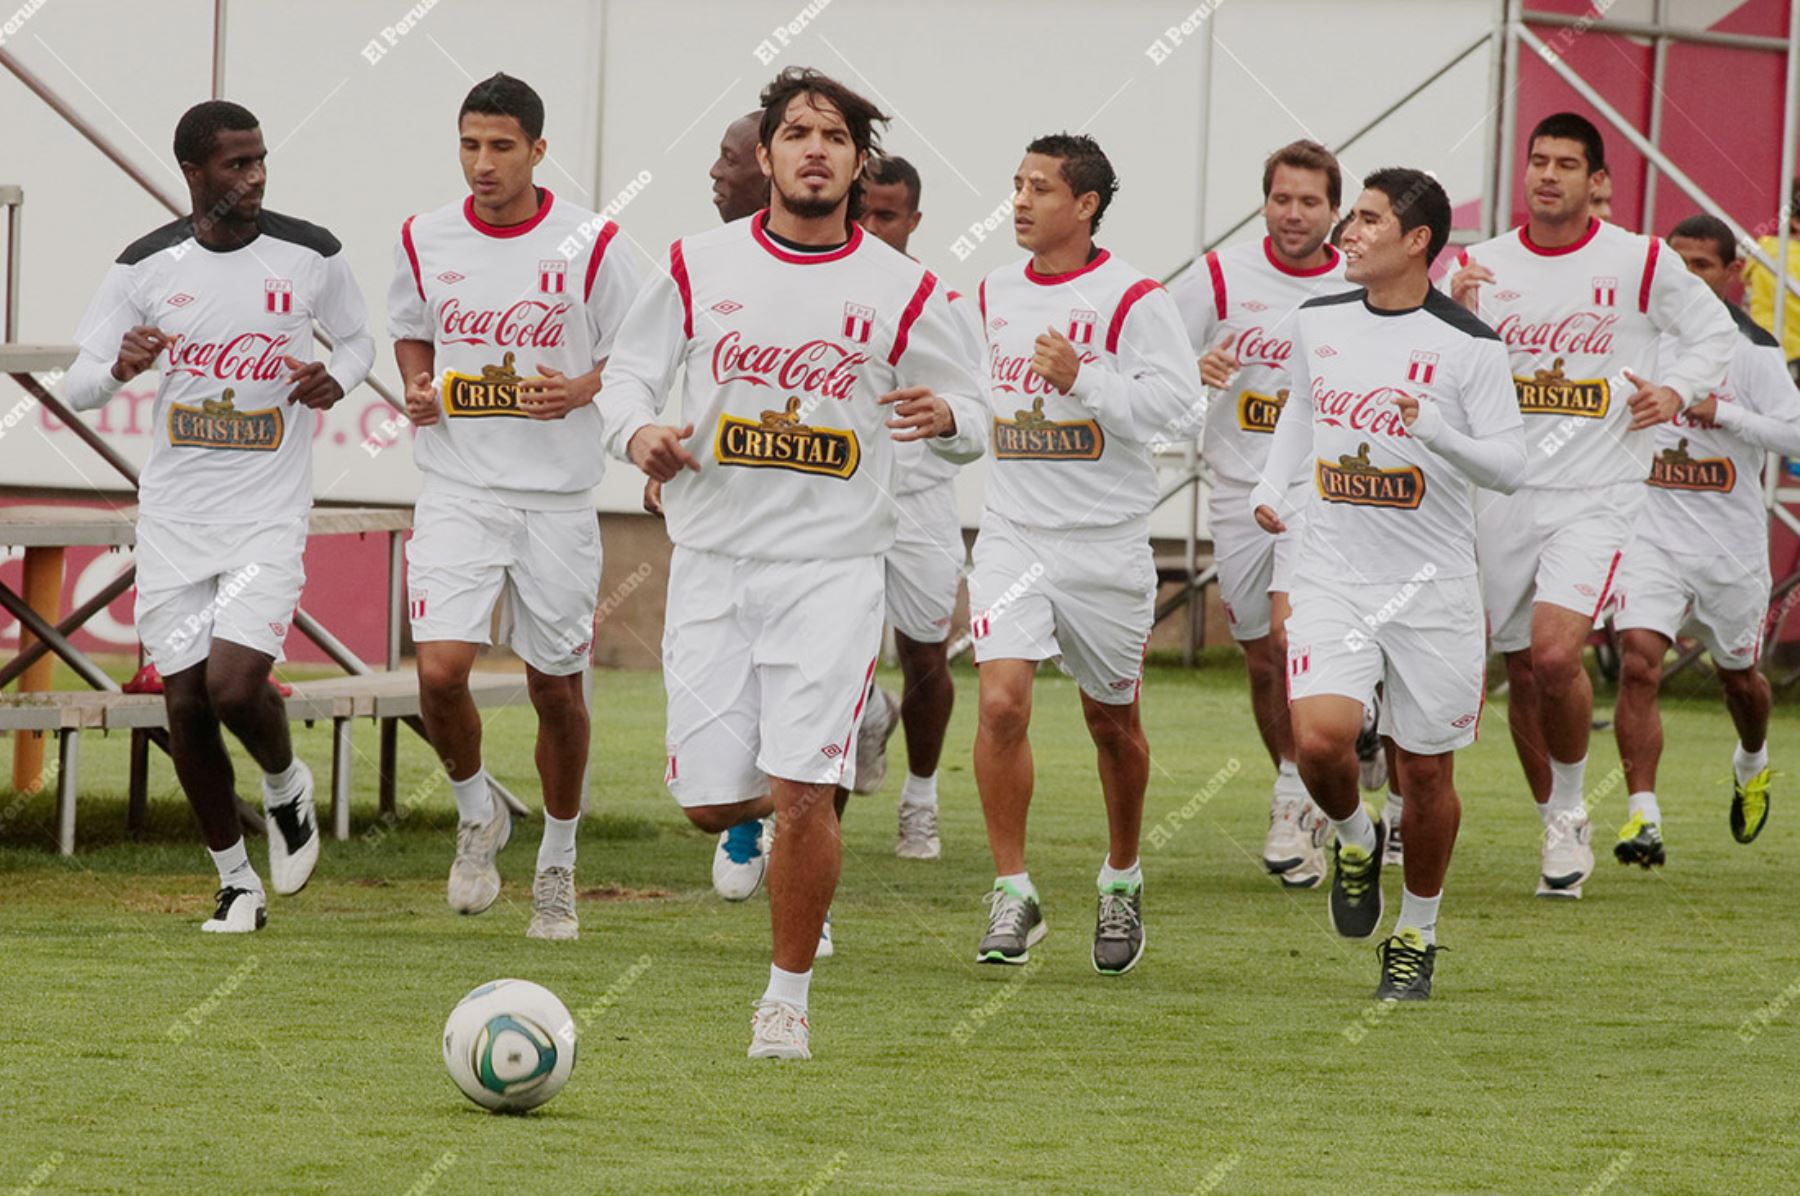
{"type": "Point", "coordinates": [726, 306]}
{"type": "Point", "coordinates": [1253, 305]}
{"type": "Point", "coordinates": [278, 296]}
{"type": "Point", "coordinates": [1606, 292]}
{"type": "Point", "coordinates": [859, 321]}
{"type": "Point", "coordinates": [450, 277]}
{"type": "Point", "coordinates": [1422, 367]}
{"type": "Point", "coordinates": [1081, 327]}
{"type": "Point", "coordinates": [1324, 351]}
{"type": "Point", "coordinates": [996, 324]}
{"type": "Point", "coordinates": [181, 300]}
{"type": "Point", "coordinates": [1506, 296]}
{"type": "Point", "coordinates": [551, 274]}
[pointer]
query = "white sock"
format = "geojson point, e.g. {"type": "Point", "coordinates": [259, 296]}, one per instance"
{"type": "Point", "coordinates": [1018, 882]}
{"type": "Point", "coordinates": [1543, 809]}
{"type": "Point", "coordinates": [1645, 803]}
{"type": "Point", "coordinates": [1746, 766]}
{"type": "Point", "coordinates": [283, 787]}
{"type": "Point", "coordinates": [919, 791]}
{"type": "Point", "coordinates": [1565, 785]}
{"type": "Point", "coordinates": [234, 868]}
{"type": "Point", "coordinates": [1391, 812]}
{"type": "Point", "coordinates": [1358, 830]}
{"type": "Point", "coordinates": [1287, 770]}
{"type": "Point", "coordinates": [1419, 913]}
{"type": "Point", "coordinates": [790, 988]}
{"type": "Point", "coordinates": [1132, 877]}
{"type": "Point", "coordinates": [473, 801]}
{"type": "Point", "coordinates": [558, 847]}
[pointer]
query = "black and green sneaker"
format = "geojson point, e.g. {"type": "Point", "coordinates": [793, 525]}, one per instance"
{"type": "Point", "coordinates": [1640, 842]}
{"type": "Point", "coordinates": [1015, 926]}
{"type": "Point", "coordinates": [1119, 929]}
{"type": "Point", "coordinates": [1406, 963]}
{"type": "Point", "coordinates": [1750, 806]}
{"type": "Point", "coordinates": [1356, 887]}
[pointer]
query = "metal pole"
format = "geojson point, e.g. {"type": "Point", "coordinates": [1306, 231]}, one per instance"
{"type": "Point", "coordinates": [1205, 68]}
{"type": "Point", "coordinates": [13, 669]}
{"type": "Point", "coordinates": [218, 63]}
{"type": "Point", "coordinates": [35, 623]}
{"type": "Point", "coordinates": [396, 599]}
{"type": "Point", "coordinates": [1490, 147]}
{"type": "Point", "coordinates": [1699, 37]}
{"type": "Point", "coordinates": [1504, 168]}
{"type": "Point", "coordinates": [88, 436]}
{"type": "Point", "coordinates": [1659, 70]}
{"type": "Point", "coordinates": [14, 199]}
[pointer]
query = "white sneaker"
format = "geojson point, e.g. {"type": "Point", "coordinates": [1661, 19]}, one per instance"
{"type": "Point", "coordinates": [293, 828]}
{"type": "Point", "coordinates": [779, 1031]}
{"type": "Point", "coordinates": [1393, 855]}
{"type": "Point", "coordinates": [1285, 845]}
{"type": "Point", "coordinates": [1314, 829]}
{"type": "Point", "coordinates": [240, 911]}
{"type": "Point", "coordinates": [918, 833]}
{"type": "Point", "coordinates": [474, 877]}
{"type": "Point", "coordinates": [879, 718]}
{"type": "Point", "coordinates": [824, 951]}
{"type": "Point", "coordinates": [1371, 759]}
{"type": "Point", "coordinates": [553, 905]}
{"type": "Point", "coordinates": [740, 861]}
{"type": "Point", "coordinates": [1568, 856]}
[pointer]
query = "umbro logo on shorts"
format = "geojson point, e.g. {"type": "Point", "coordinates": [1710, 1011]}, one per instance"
{"type": "Point", "coordinates": [832, 751]}
{"type": "Point", "coordinates": [1464, 721]}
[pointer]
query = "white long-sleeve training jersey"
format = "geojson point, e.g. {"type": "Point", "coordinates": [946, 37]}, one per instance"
{"type": "Point", "coordinates": [1573, 320]}
{"type": "Point", "coordinates": [919, 468]}
{"type": "Point", "coordinates": [786, 354]}
{"type": "Point", "coordinates": [1084, 459]}
{"type": "Point", "coordinates": [1389, 503]}
{"type": "Point", "coordinates": [1706, 495]}
{"type": "Point", "coordinates": [1245, 292]}
{"type": "Point", "coordinates": [228, 447]}
{"type": "Point", "coordinates": [496, 304]}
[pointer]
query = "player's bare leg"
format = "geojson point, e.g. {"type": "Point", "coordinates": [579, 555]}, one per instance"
{"type": "Point", "coordinates": [1565, 699]}
{"type": "Point", "coordinates": [562, 754]}
{"type": "Point", "coordinates": [1267, 665]}
{"type": "Point", "coordinates": [927, 694]}
{"type": "Point", "coordinates": [1748, 698]}
{"type": "Point", "coordinates": [202, 764]}
{"type": "Point", "coordinates": [1433, 814]}
{"type": "Point", "coordinates": [1325, 731]}
{"type": "Point", "coordinates": [1638, 725]}
{"type": "Point", "coordinates": [803, 869]}
{"type": "Point", "coordinates": [1004, 776]}
{"type": "Point", "coordinates": [1124, 761]}
{"type": "Point", "coordinates": [237, 685]}
{"type": "Point", "coordinates": [1524, 719]}
{"type": "Point", "coordinates": [1393, 810]}
{"type": "Point", "coordinates": [453, 725]}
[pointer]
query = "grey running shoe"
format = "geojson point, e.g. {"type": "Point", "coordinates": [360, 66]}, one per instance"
{"type": "Point", "coordinates": [474, 878]}
{"type": "Point", "coordinates": [918, 839]}
{"type": "Point", "coordinates": [1356, 888]}
{"type": "Point", "coordinates": [553, 905]}
{"type": "Point", "coordinates": [1015, 925]}
{"type": "Point", "coordinates": [1119, 930]}
{"type": "Point", "coordinates": [1406, 964]}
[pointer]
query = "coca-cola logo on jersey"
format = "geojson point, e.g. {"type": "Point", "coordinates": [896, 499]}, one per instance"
{"type": "Point", "coordinates": [1016, 375]}
{"type": "Point", "coordinates": [1372, 412]}
{"type": "Point", "coordinates": [527, 324]}
{"type": "Point", "coordinates": [1256, 347]}
{"type": "Point", "coordinates": [247, 357]}
{"type": "Point", "coordinates": [1577, 332]}
{"type": "Point", "coordinates": [818, 367]}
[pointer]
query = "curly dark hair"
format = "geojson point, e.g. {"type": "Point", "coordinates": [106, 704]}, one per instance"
{"type": "Point", "coordinates": [860, 116]}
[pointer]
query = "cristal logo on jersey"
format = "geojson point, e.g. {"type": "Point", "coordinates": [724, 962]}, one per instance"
{"type": "Point", "coordinates": [1551, 392]}
{"type": "Point", "coordinates": [494, 391]}
{"type": "Point", "coordinates": [1081, 327]}
{"type": "Point", "coordinates": [552, 272]}
{"type": "Point", "coordinates": [824, 368]}
{"type": "Point", "coordinates": [780, 440]}
{"type": "Point", "coordinates": [526, 324]}
{"type": "Point", "coordinates": [859, 321]}
{"type": "Point", "coordinates": [1259, 412]}
{"type": "Point", "coordinates": [278, 296]}
{"type": "Point", "coordinates": [1030, 435]}
{"type": "Point", "coordinates": [218, 424]}
{"type": "Point", "coordinates": [1606, 292]}
{"type": "Point", "coordinates": [1369, 411]}
{"type": "Point", "coordinates": [1353, 479]}
{"type": "Point", "coordinates": [1674, 469]}
{"type": "Point", "coordinates": [246, 357]}
{"type": "Point", "coordinates": [1422, 368]}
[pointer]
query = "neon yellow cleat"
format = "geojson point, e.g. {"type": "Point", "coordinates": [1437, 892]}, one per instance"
{"type": "Point", "coordinates": [1750, 806]}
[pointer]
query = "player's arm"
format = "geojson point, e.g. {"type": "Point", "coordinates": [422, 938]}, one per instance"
{"type": "Point", "coordinates": [636, 381]}
{"type": "Point", "coordinates": [1492, 453]}
{"type": "Point", "coordinates": [933, 367]}
{"type": "Point", "coordinates": [340, 310]}
{"type": "Point", "coordinates": [116, 346]}
{"type": "Point", "coordinates": [612, 282]}
{"type": "Point", "coordinates": [409, 323]}
{"type": "Point", "coordinates": [1289, 448]}
{"type": "Point", "coordinates": [1705, 338]}
{"type": "Point", "coordinates": [1768, 413]}
{"type": "Point", "coordinates": [1156, 389]}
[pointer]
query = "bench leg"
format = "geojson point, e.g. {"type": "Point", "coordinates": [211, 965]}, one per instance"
{"type": "Point", "coordinates": [68, 760]}
{"type": "Point", "coordinates": [340, 778]}
{"type": "Point", "coordinates": [390, 762]}
{"type": "Point", "coordinates": [137, 792]}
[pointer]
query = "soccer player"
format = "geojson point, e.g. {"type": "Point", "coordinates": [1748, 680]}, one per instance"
{"type": "Point", "coordinates": [1400, 406]}
{"type": "Point", "coordinates": [226, 297]}
{"type": "Point", "coordinates": [1088, 363]}
{"type": "Point", "coordinates": [1238, 305]}
{"type": "Point", "coordinates": [1700, 557]}
{"type": "Point", "coordinates": [1579, 304]}
{"type": "Point", "coordinates": [810, 349]}
{"type": "Point", "coordinates": [740, 188]}
{"type": "Point", "coordinates": [500, 331]}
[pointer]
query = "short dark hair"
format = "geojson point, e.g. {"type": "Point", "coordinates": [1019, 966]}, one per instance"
{"type": "Point", "coordinates": [1703, 226]}
{"type": "Point", "coordinates": [1084, 167]}
{"type": "Point", "coordinates": [887, 169]}
{"type": "Point", "coordinates": [1306, 155]}
{"type": "Point", "coordinates": [500, 94]}
{"type": "Point", "coordinates": [1572, 126]}
{"type": "Point", "coordinates": [1418, 201]}
{"type": "Point", "coordinates": [197, 132]}
{"type": "Point", "coordinates": [860, 115]}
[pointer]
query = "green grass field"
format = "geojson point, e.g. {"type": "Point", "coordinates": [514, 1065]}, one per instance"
{"type": "Point", "coordinates": [1645, 1039]}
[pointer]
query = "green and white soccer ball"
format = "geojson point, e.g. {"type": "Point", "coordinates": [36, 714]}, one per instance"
{"type": "Point", "coordinates": [510, 1045]}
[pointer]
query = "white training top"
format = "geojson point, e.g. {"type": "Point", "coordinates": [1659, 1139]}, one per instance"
{"type": "Point", "coordinates": [496, 304]}
{"type": "Point", "coordinates": [919, 468]}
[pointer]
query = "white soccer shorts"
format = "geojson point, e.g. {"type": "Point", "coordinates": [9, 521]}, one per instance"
{"type": "Point", "coordinates": [924, 568]}
{"type": "Point", "coordinates": [463, 555]}
{"type": "Point", "coordinates": [1421, 641]}
{"type": "Point", "coordinates": [1557, 546]}
{"type": "Point", "coordinates": [201, 581]}
{"type": "Point", "coordinates": [1251, 562]}
{"type": "Point", "coordinates": [767, 665]}
{"type": "Point", "coordinates": [1088, 595]}
{"type": "Point", "coordinates": [1723, 601]}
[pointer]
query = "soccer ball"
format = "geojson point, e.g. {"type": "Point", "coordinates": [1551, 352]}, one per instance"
{"type": "Point", "coordinates": [510, 1045]}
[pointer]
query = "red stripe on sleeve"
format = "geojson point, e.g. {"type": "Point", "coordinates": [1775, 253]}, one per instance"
{"type": "Point", "coordinates": [911, 314]}
{"type": "Point", "coordinates": [981, 294]}
{"type": "Point", "coordinates": [412, 255]}
{"type": "Point", "coordinates": [678, 270]}
{"type": "Point", "coordinates": [1218, 280]}
{"type": "Point", "coordinates": [1139, 289]}
{"type": "Point", "coordinates": [1649, 273]}
{"type": "Point", "coordinates": [600, 243]}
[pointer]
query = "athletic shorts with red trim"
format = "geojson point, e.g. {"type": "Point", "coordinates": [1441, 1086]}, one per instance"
{"type": "Point", "coordinates": [1557, 546]}
{"type": "Point", "coordinates": [1718, 598]}
{"type": "Point", "coordinates": [767, 665]}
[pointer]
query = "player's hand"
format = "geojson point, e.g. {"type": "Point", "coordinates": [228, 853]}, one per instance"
{"type": "Point", "coordinates": [1055, 361]}
{"type": "Point", "coordinates": [658, 451]}
{"type": "Point", "coordinates": [552, 394]}
{"type": "Point", "coordinates": [313, 387]}
{"type": "Point", "coordinates": [1650, 404]}
{"type": "Point", "coordinates": [653, 497]}
{"type": "Point", "coordinates": [1409, 408]}
{"type": "Point", "coordinates": [1220, 363]}
{"type": "Point", "coordinates": [137, 351]}
{"type": "Point", "coordinates": [1269, 521]}
{"type": "Point", "coordinates": [1465, 284]}
{"type": "Point", "coordinates": [918, 414]}
{"type": "Point", "coordinates": [422, 400]}
{"type": "Point", "coordinates": [1704, 414]}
